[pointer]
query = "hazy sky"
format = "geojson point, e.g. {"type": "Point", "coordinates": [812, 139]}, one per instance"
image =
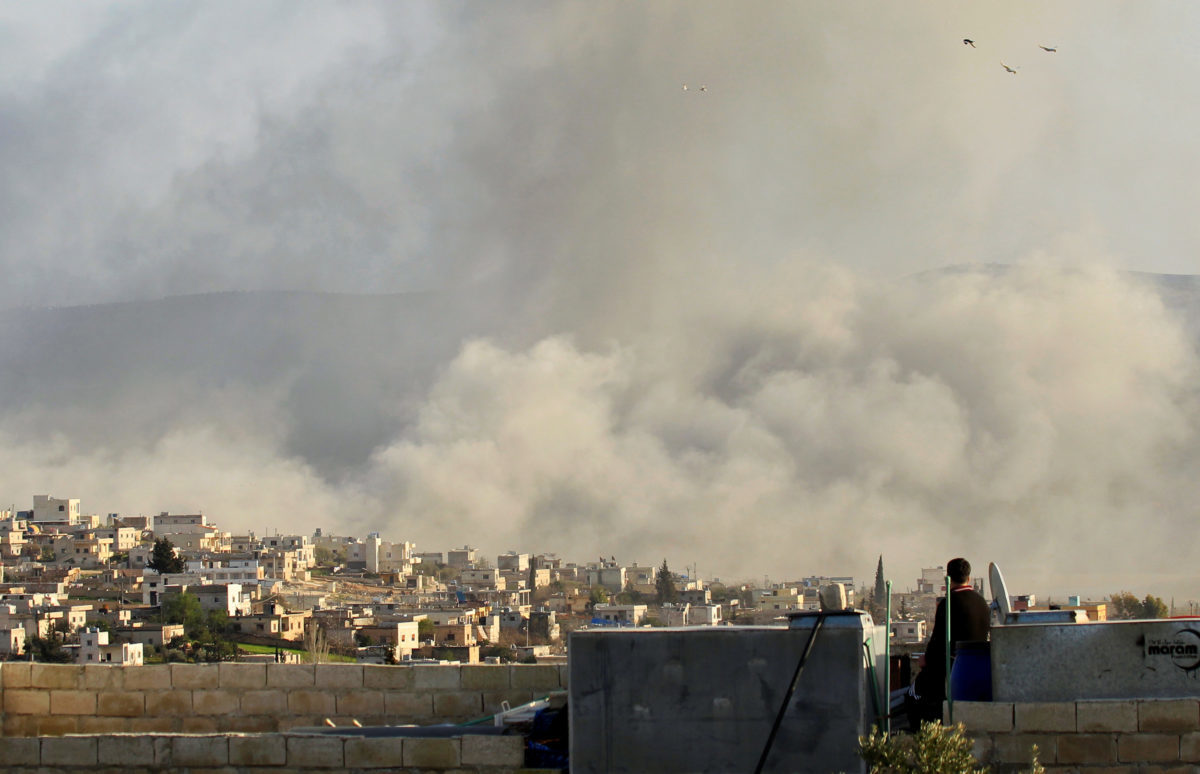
{"type": "Point", "coordinates": [698, 340]}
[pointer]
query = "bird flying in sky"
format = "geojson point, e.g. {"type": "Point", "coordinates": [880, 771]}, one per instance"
{"type": "Point", "coordinates": [968, 42]}
{"type": "Point", "coordinates": [1051, 49]}
{"type": "Point", "coordinates": [1012, 70]}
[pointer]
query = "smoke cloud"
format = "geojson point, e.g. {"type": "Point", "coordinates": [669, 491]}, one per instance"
{"type": "Point", "coordinates": [542, 297]}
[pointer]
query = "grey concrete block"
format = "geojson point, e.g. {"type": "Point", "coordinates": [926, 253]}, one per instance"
{"type": "Point", "coordinates": [1107, 660]}
{"type": "Point", "coordinates": [705, 699]}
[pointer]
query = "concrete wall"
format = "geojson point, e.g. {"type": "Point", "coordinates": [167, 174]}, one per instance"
{"type": "Point", "coordinates": [55, 699]}
{"type": "Point", "coordinates": [705, 699]}
{"type": "Point", "coordinates": [1141, 736]}
{"type": "Point", "coordinates": [230, 753]}
{"type": "Point", "coordinates": [1112, 660]}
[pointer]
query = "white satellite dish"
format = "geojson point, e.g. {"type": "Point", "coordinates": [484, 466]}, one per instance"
{"type": "Point", "coordinates": [999, 591]}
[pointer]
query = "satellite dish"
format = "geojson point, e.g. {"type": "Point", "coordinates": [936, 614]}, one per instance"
{"type": "Point", "coordinates": [999, 591]}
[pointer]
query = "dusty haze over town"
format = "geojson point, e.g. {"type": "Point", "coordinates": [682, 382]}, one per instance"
{"type": "Point", "coordinates": [856, 290]}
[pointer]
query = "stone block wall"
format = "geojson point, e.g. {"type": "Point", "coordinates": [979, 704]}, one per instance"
{"type": "Point", "coordinates": [57, 699]}
{"type": "Point", "coordinates": [236, 753]}
{"type": "Point", "coordinates": [1140, 736]}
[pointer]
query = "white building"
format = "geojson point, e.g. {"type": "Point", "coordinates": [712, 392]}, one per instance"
{"type": "Point", "coordinates": [54, 511]}
{"type": "Point", "coordinates": [908, 631]}
{"type": "Point", "coordinates": [12, 535]}
{"type": "Point", "coordinates": [620, 614]}
{"type": "Point", "coordinates": [379, 555]}
{"type": "Point", "coordinates": [607, 574]}
{"type": "Point", "coordinates": [481, 578]}
{"type": "Point", "coordinates": [123, 538]}
{"type": "Point", "coordinates": [513, 561]}
{"type": "Point", "coordinates": [704, 615]}
{"type": "Point", "coordinates": [94, 648]}
{"type": "Point", "coordinates": [932, 580]}
{"type": "Point", "coordinates": [787, 598]}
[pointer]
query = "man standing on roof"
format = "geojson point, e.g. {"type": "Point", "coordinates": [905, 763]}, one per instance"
{"type": "Point", "coordinates": [970, 620]}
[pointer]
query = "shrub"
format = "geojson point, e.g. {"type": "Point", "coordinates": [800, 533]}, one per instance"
{"type": "Point", "coordinates": [934, 749]}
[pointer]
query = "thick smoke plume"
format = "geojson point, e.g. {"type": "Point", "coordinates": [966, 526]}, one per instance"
{"type": "Point", "coordinates": [607, 314]}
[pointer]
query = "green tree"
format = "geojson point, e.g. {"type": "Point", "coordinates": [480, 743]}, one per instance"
{"type": "Point", "coordinates": [598, 596]}
{"type": "Point", "coordinates": [630, 595]}
{"type": "Point", "coordinates": [1153, 607]}
{"type": "Point", "coordinates": [48, 650]}
{"type": "Point", "coordinates": [426, 568]}
{"type": "Point", "coordinates": [934, 749]}
{"type": "Point", "coordinates": [164, 559]}
{"type": "Point", "coordinates": [664, 585]}
{"type": "Point", "coordinates": [1124, 605]}
{"type": "Point", "coordinates": [205, 631]}
{"type": "Point", "coordinates": [185, 609]}
{"type": "Point", "coordinates": [880, 593]}
{"type": "Point", "coordinates": [425, 629]}
{"type": "Point", "coordinates": [324, 556]}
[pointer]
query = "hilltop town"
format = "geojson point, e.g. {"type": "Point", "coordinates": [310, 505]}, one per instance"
{"type": "Point", "coordinates": [176, 587]}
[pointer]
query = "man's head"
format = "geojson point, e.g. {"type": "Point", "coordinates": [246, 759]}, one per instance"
{"type": "Point", "coordinates": [959, 570]}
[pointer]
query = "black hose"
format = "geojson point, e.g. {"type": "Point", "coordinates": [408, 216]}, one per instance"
{"type": "Point", "coordinates": [762, 760]}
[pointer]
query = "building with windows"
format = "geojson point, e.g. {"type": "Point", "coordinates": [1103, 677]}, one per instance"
{"type": "Point", "coordinates": [55, 512]}
{"type": "Point", "coordinates": [94, 648]}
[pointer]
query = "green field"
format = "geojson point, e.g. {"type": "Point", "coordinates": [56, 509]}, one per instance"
{"type": "Point", "coordinates": [269, 649]}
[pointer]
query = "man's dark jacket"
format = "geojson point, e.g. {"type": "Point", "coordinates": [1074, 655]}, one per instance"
{"type": "Point", "coordinates": [970, 619]}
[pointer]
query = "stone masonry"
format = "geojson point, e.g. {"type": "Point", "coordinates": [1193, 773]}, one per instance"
{"type": "Point", "coordinates": [57, 699]}
{"type": "Point", "coordinates": [1141, 736]}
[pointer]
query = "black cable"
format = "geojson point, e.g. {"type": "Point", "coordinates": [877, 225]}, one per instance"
{"type": "Point", "coordinates": [762, 760]}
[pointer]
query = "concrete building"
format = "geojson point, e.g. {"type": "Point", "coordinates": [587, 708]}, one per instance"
{"type": "Point", "coordinates": [481, 578]}
{"type": "Point", "coordinates": [12, 536]}
{"type": "Point", "coordinates": [86, 551]}
{"type": "Point", "coordinates": [374, 554]}
{"type": "Point", "coordinates": [246, 570]}
{"type": "Point", "coordinates": [140, 556]}
{"type": "Point", "coordinates": [454, 635]}
{"type": "Point", "coordinates": [148, 635]}
{"type": "Point", "coordinates": [123, 538]}
{"type": "Point", "coordinates": [52, 511]}
{"type": "Point", "coordinates": [608, 575]}
{"type": "Point", "coordinates": [275, 622]}
{"type": "Point", "coordinates": [781, 599]}
{"type": "Point", "coordinates": [191, 533]}
{"type": "Point", "coordinates": [909, 631]}
{"type": "Point", "coordinates": [513, 561]}
{"type": "Point", "coordinates": [620, 614]}
{"type": "Point", "coordinates": [932, 580]}
{"type": "Point", "coordinates": [461, 558]}
{"type": "Point", "coordinates": [227, 597]}
{"type": "Point", "coordinates": [168, 523]}
{"type": "Point", "coordinates": [704, 615]}
{"type": "Point", "coordinates": [94, 648]}
{"type": "Point", "coordinates": [544, 624]}
{"type": "Point", "coordinates": [12, 640]}
{"type": "Point", "coordinates": [401, 635]}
